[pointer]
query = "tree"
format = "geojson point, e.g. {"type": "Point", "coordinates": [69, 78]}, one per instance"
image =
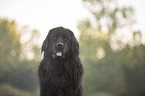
{"type": "Point", "coordinates": [104, 53]}
{"type": "Point", "coordinates": [10, 47]}
{"type": "Point", "coordinates": [108, 18]}
{"type": "Point", "coordinates": [19, 58]}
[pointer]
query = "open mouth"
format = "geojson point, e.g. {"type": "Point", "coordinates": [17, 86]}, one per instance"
{"type": "Point", "coordinates": [59, 54]}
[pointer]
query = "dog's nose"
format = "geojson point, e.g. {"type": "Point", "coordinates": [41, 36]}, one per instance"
{"type": "Point", "coordinates": [59, 44]}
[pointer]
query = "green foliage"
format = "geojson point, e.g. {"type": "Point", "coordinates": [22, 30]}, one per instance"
{"type": "Point", "coordinates": [10, 47]}
{"type": "Point", "coordinates": [117, 72]}
{"type": "Point", "coordinates": [24, 77]}
{"type": "Point", "coordinates": [19, 58]}
{"type": "Point", "coordinates": [134, 69]}
{"type": "Point", "coordinates": [101, 94]}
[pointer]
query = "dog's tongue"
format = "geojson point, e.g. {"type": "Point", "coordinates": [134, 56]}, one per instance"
{"type": "Point", "coordinates": [58, 54]}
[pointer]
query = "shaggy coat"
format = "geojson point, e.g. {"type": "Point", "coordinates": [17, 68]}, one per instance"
{"type": "Point", "coordinates": [60, 71]}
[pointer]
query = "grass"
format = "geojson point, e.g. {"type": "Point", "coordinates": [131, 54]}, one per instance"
{"type": "Point", "coordinates": [7, 89]}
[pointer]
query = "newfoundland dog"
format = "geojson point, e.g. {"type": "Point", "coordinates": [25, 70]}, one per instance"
{"type": "Point", "coordinates": [60, 71]}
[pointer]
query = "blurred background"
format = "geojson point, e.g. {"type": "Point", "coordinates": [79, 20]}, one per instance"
{"type": "Point", "coordinates": [111, 34]}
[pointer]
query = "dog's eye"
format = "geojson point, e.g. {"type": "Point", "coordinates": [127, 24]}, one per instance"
{"type": "Point", "coordinates": [54, 38]}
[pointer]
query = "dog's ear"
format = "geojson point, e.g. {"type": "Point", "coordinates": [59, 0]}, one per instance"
{"type": "Point", "coordinates": [75, 44]}
{"type": "Point", "coordinates": [44, 45]}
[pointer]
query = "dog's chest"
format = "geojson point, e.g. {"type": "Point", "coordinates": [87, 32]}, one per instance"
{"type": "Point", "coordinates": [61, 71]}
{"type": "Point", "coordinates": [58, 76]}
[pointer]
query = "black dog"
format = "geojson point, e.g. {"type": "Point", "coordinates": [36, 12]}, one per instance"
{"type": "Point", "coordinates": [60, 72]}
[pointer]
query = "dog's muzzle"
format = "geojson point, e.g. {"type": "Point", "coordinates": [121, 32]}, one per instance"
{"type": "Point", "coordinates": [59, 47]}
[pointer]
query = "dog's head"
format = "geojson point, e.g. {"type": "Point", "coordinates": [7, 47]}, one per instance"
{"type": "Point", "coordinates": [60, 43]}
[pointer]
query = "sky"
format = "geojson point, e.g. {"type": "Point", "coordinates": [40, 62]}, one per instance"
{"type": "Point", "coordinates": [47, 14]}
{"type": "Point", "coordinates": [44, 14]}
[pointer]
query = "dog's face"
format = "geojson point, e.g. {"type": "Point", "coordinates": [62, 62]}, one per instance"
{"type": "Point", "coordinates": [60, 43]}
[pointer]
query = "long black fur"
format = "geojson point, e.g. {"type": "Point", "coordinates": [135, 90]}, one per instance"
{"type": "Point", "coordinates": [60, 76]}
